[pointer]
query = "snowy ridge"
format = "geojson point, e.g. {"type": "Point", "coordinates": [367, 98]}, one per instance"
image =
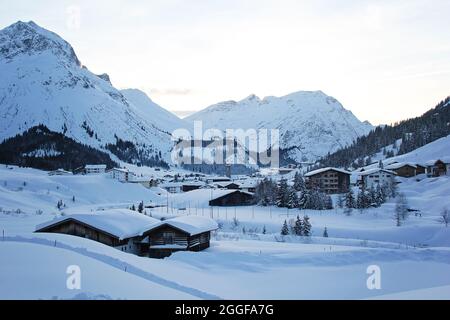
{"type": "Point", "coordinates": [311, 123]}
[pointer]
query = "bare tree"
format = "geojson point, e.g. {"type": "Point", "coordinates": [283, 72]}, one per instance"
{"type": "Point", "coordinates": [401, 209]}
{"type": "Point", "coordinates": [445, 217]}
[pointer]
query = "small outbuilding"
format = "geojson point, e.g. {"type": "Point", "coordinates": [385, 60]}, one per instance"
{"type": "Point", "coordinates": [233, 198]}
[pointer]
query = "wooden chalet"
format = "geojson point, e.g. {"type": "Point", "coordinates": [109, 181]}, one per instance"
{"type": "Point", "coordinates": [233, 198]}
{"type": "Point", "coordinates": [403, 169]}
{"type": "Point", "coordinates": [136, 233]}
{"type": "Point", "coordinates": [436, 168]}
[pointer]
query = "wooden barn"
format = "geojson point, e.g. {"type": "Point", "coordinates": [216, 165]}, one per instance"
{"type": "Point", "coordinates": [403, 169]}
{"type": "Point", "coordinates": [191, 185]}
{"type": "Point", "coordinates": [436, 168]}
{"type": "Point", "coordinates": [227, 185]}
{"type": "Point", "coordinates": [420, 169]}
{"type": "Point", "coordinates": [136, 233]}
{"type": "Point", "coordinates": [189, 233]}
{"type": "Point", "coordinates": [328, 180]}
{"type": "Point", "coordinates": [233, 198]}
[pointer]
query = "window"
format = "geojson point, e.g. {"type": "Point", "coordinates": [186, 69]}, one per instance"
{"type": "Point", "coordinates": [168, 237]}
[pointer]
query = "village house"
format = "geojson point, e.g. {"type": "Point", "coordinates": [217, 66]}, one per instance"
{"type": "Point", "coordinates": [60, 172]}
{"type": "Point", "coordinates": [227, 185]}
{"type": "Point", "coordinates": [328, 180]}
{"type": "Point", "coordinates": [420, 169]}
{"type": "Point", "coordinates": [403, 169]}
{"type": "Point", "coordinates": [288, 169]}
{"type": "Point", "coordinates": [376, 176]}
{"type": "Point", "coordinates": [211, 180]}
{"type": "Point", "coordinates": [228, 198]}
{"type": "Point", "coordinates": [248, 186]}
{"type": "Point", "coordinates": [147, 182]}
{"type": "Point", "coordinates": [94, 168]}
{"type": "Point", "coordinates": [187, 186]}
{"type": "Point", "coordinates": [121, 174]}
{"type": "Point", "coordinates": [136, 233]}
{"type": "Point", "coordinates": [440, 167]}
{"type": "Point", "coordinates": [172, 187]}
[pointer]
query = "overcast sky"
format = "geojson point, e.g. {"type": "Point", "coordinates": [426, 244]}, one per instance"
{"type": "Point", "coordinates": [384, 60]}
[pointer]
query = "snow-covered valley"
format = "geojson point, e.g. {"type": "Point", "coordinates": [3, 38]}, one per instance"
{"type": "Point", "coordinates": [242, 262]}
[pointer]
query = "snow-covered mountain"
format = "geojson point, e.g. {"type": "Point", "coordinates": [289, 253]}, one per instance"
{"type": "Point", "coordinates": [311, 124]}
{"type": "Point", "coordinates": [43, 82]}
{"type": "Point", "coordinates": [147, 109]}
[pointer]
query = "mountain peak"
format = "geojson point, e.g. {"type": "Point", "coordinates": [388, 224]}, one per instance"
{"type": "Point", "coordinates": [251, 98]}
{"type": "Point", "coordinates": [28, 38]}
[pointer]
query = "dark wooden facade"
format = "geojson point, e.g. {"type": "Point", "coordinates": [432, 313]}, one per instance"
{"type": "Point", "coordinates": [231, 186]}
{"type": "Point", "coordinates": [79, 229]}
{"type": "Point", "coordinates": [162, 241]}
{"type": "Point", "coordinates": [236, 198]}
{"type": "Point", "coordinates": [439, 168]}
{"type": "Point", "coordinates": [420, 169]}
{"type": "Point", "coordinates": [406, 171]}
{"type": "Point", "coordinates": [156, 243]}
{"type": "Point", "coordinates": [189, 187]}
{"type": "Point", "coordinates": [330, 181]}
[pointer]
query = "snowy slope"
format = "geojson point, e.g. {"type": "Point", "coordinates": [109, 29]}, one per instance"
{"type": "Point", "coordinates": [152, 112]}
{"type": "Point", "coordinates": [99, 280]}
{"type": "Point", "coordinates": [43, 82]}
{"type": "Point", "coordinates": [238, 265]}
{"type": "Point", "coordinates": [438, 149]}
{"type": "Point", "coordinates": [311, 124]}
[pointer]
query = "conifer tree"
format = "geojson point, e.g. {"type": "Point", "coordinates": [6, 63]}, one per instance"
{"type": "Point", "coordinates": [306, 231]}
{"type": "Point", "coordinates": [298, 227]}
{"type": "Point", "coordinates": [284, 229]}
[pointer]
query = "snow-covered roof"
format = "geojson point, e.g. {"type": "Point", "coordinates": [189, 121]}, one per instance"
{"type": "Point", "coordinates": [121, 170]}
{"type": "Point", "coordinates": [61, 171]}
{"type": "Point", "coordinates": [224, 184]}
{"type": "Point", "coordinates": [141, 179]}
{"type": "Point", "coordinates": [190, 224]}
{"type": "Point", "coordinates": [314, 172]}
{"type": "Point", "coordinates": [193, 183]}
{"type": "Point", "coordinates": [248, 184]}
{"type": "Point", "coordinates": [218, 178]}
{"type": "Point", "coordinates": [170, 184]}
{"type": "Point", "coordinates": [124, 224]}
{"type": "Point", "coordinates": [374, 170]}
{"type": "Point", "coordinates": [433, 162]}
{"type": "Point", "coordinates": [121, 223]}
{"type": "Point", "coordinates": [95, 166]}
{"type": "Point", "coordinates": [400, 164]}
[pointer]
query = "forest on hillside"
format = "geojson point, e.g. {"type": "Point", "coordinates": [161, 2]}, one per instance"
{"type": "Point", "coordinates": [414, 133]}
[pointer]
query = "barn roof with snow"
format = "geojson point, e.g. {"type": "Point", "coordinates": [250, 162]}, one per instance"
{"type": "Point", "coordinates": [120, 223]}
{"type": "Point", "coordinates": [375, 170]}
{"type": "Point", "coordinates": [314, 172]}
{"type": "Point", "coordinates": [124, 224]}
{"type": "Point", "coordinates": [190, 224]}
{"type": "Point", "coordinates": [400, 165]}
